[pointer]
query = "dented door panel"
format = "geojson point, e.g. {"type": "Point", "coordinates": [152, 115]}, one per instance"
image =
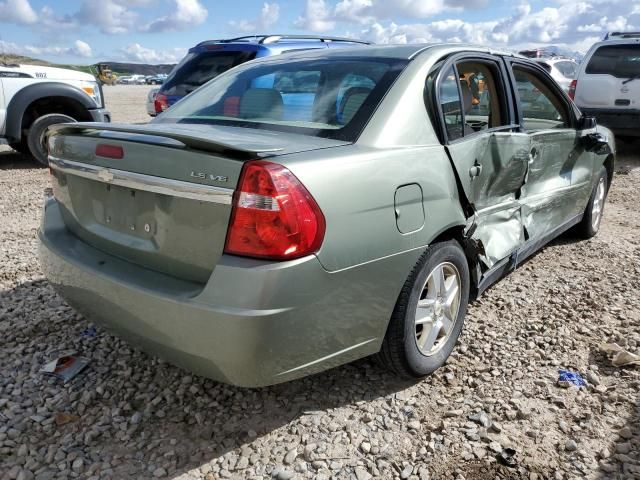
{"type": "Point", "coordinates": [548, 196]}
{"type": "Point", "coordinates": [502, 159]}
{"type": "Point", "coordinates": [499, 232]}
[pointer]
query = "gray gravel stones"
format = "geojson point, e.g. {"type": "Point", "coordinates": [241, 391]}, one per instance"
{"type": "Point", "coordinates": [131, 416]}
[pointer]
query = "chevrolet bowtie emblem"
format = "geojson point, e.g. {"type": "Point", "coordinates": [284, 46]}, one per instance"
{"type": "Point", "coordinates": [105, 175]}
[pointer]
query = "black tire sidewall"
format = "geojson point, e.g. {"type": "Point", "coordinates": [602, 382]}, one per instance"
{"type": "Point", "coordinates": [37, 129]}
{"type": "Point", "coordinates": [418, 363]}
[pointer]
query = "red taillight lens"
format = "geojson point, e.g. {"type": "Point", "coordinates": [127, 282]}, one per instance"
{"type": "Point", "coordinates": [161, 103]}
{"type": "Point", "coordinates": [109, 151]}
{"type": "Point", "coordinates": [274, 216]}
{"type": "Point", "coordinates": [572, 89]}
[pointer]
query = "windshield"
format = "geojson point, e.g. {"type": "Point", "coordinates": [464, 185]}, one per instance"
{"type": "Point", "coordinates": [331, 98]}
{"type": "Point", "coordinates": [196, 69]}
{"type": "Point", "coordinates": [621, 61]}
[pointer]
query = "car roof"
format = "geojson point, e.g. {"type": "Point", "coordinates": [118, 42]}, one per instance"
{"type": "Point", "coordinates": [305, 43]}
{"type": "Point", "coordinates": [400, 51]}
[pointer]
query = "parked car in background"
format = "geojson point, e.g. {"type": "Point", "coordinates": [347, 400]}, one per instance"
{"type": "Point", "coordinates": [608, 83]}
{"type": "Point", "coordinates": [132, 80]}
{"type": "Point", "coordinates": [209, 59]}
{"type": "Point", "coordinates": [151, 99]}
{"type": "Point", "coordinates": [309, 209]}
{"type": "Point", "coordinates": [563, 70]}
{"type": "Point", "coordinates": [33, 97]}
{"type": "Point", "coordinates": [156, 79]}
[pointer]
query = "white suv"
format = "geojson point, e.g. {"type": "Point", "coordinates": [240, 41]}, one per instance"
{"type": "Point", "coordinates": [563, 70]}
{"type": "Point", "coordinates": [608, 83]}
{"type": "Point", "coordinates": [34, 97]}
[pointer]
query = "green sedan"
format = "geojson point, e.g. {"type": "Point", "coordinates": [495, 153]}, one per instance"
{"type": "Point", "coordinates": [302, 211]}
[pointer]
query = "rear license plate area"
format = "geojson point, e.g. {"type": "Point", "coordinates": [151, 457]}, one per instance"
{"type": "Point", "coordinates": [127, 210]}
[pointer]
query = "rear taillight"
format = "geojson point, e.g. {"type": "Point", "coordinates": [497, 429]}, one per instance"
{"type": "Point", "coordinates": [572, 89]}
{"type": "Point", "coordinates": [161, 103]}
{"type": "Point", "coordinates": [274, 216]}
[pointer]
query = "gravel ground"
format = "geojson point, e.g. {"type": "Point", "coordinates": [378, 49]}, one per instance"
{"type": "Point", "coordinates": [132, 416]}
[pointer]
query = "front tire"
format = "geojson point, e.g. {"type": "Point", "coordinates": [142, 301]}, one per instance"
{"type": "Point", "coordinates": [36, 139]}
{"type": "Point", "coordinates": [429, 313]}
{"type": "Point", "coordinates": [590, 224]}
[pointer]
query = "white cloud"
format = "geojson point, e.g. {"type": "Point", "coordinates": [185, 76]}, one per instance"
{"type": "Point", "coordinates": [269, 16]}
{"type": "Point", "coordinates": [17, 11]}
{"type": "Point", "coordinates": [82, 49]}
{"type": "Point", "coordinates": [321, 16]}
{"type": "Point", "coordinates": [316, 17]}
{"type": "Point", "coordinates": [113, 17]}
{"type": "Point", "coordinates": [137, 53]}
{"type": "Point", "coordinates": [573, 26]}
{"type": "Point", "coordinates": [79, 49]}
{"type": "Point", "coordinates": [188, 13]}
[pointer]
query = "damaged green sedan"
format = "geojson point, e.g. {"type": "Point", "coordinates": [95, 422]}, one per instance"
{"type": "Point", "coordinates": [303, 211]}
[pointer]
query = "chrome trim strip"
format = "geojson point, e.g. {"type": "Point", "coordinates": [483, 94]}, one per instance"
{"type": "Point", "coordinates": [140, 181]}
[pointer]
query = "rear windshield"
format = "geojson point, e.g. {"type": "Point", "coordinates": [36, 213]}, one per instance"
{"type": "Point", "coordinates": [622, 61]}
{"type": "Point", "coordinates": [332, 98]}
{"type": "Point", "coordinates": [196, 69]}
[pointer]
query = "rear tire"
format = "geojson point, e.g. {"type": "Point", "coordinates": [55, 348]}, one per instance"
{"type": "Point", "coordinates": [590, 224]}
{"type": "Point", "coordinates": [36, 140]}
{"type": "Point", "coordinates": [427, 319]}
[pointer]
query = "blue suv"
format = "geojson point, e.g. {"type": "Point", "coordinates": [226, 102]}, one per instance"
{"type": "Point", "coordinates": [209, 59]}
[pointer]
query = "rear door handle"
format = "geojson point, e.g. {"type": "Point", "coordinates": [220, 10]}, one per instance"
{"type": "Point", "coordinates": [476, 170]}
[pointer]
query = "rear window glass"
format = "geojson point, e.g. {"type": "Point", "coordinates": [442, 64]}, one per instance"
{"type": "Point", "coordinates": [622, 61]}
{"type": "Point", "coordinates": [568, 69]}
{"type": "Point", "coordinates": [332, 98]}
{"type": "Point", "coordinates": [198, 68]}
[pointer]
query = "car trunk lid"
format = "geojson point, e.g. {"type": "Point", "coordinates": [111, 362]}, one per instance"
{"type": "Point", "coordinates": [166, 203]}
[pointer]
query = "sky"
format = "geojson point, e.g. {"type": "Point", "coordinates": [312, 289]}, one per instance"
{"type": "Point", "coordinates": [161, 31]}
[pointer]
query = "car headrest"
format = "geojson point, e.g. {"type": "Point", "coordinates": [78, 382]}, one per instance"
{"type": "Point", "coordinates": [261, 103]}
{"type": "Point", "coordinates": [351, 102]}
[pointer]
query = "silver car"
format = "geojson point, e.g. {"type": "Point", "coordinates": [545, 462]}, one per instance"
{"type": "Point", "coordinates": [305, 210]}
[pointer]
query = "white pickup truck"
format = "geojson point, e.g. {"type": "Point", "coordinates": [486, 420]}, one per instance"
{"type": "Point", "coordinates": [33, 97]}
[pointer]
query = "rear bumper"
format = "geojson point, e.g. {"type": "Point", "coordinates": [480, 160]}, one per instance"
{"type": "Point", "coordinates": [621, 122]}
{"type": "Point", "coordinates": [253, 323]}
{"type": "Point", "coordinates": [100, 115]}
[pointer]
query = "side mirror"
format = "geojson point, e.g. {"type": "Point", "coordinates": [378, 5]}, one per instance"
{"type": "Point", "coordinates": [587, 123]}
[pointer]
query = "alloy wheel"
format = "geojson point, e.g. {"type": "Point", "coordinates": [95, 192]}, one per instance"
{"type": "Point", "coordinates": [437, 308]}
{"type": "Point", "coordinates": [598, 205]}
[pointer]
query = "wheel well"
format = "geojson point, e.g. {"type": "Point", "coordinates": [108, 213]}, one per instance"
{"type": "Point", "coordinates": [470, 249]}
{"type": "Point", "coordinates": [609, 165]}
{"type": "Point", "coordinates": [44, 106]}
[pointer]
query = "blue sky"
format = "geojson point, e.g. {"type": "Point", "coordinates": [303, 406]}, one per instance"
{"type": "Point", "coordinates": [157, 31]}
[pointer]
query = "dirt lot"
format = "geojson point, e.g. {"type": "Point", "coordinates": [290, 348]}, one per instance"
{"type": "Point", "coordinates": [132, 416]}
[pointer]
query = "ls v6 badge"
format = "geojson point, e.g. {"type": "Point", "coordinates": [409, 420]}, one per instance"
{"type": "Point", "coordinates": [209, 176]}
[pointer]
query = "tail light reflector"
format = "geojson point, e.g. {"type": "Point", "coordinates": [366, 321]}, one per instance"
{"type": "Point", "coordinates": [161, 103]}
{"type": "Point", "coordinates": [274, 216]}
{"type": "Point", "coordinates": [572, 89]}
{"type": "Point", "coordinates": [109, 151]}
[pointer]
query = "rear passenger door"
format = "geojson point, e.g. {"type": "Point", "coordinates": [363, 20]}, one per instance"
{"type": "Point", "coordinates": [489, 156]}
{"type": "Point", "coordinates": [559, 170]}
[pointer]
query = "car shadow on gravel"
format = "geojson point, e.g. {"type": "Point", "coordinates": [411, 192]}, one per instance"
{"type": "Point", "coordinates": [127, 402]}
{"type": "Point", "coordinates": [12, 160]}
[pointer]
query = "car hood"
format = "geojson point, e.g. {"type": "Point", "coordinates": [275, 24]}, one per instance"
{"type": "Point", "coordinates": [53, 73]}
